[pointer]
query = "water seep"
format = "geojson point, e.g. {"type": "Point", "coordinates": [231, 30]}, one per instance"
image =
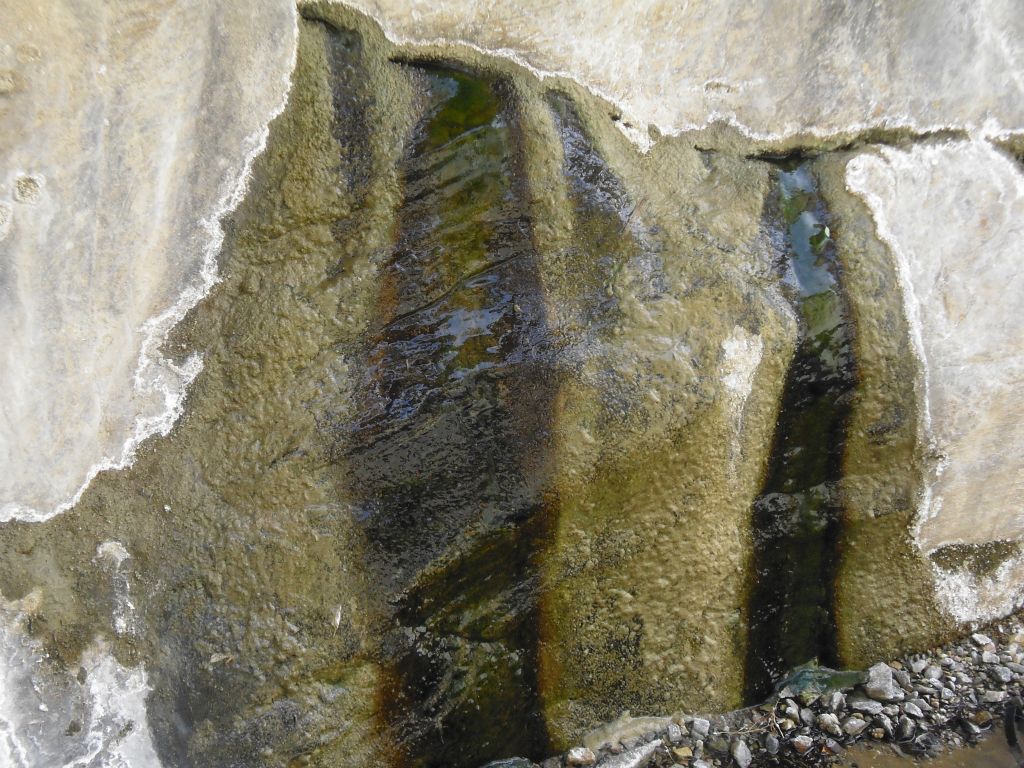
{"type": "Point", "coordinates": [798, 514]}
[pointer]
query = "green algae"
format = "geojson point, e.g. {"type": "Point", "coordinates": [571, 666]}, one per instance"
{"type": "Point", "coordinates": [981, 560]}
{"type": "Point", "coordinates": [655, 464]}
{"type": "Point", "coordinates": [798, 514]}
{"type": "Point", "coordinates": [453, 402]}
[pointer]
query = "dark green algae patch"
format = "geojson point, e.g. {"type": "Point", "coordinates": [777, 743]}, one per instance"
{"type": "Point", "coordinates": [449, 430]}
{"type": "Point", "coordinates": [459, 479]}
{"type": "Point", "coordinates": [798, 516]}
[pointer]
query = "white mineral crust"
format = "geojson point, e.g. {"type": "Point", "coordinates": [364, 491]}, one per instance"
{"type": "Point", "coordinates": [953, 216]}
{"type": "Point", "coordinates": [126, 129]}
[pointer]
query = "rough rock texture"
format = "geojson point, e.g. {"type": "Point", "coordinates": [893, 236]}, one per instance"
{"type": "Point", "coordinates": [249, 616]}
{"type": "Point", "coordinates": [117, 154]}
{"type": "Point", "coordinates": [958, 275]}
{"type": "Point", "coordinates": [487, 393]}
{"type": "Point", "coordinates": [675, 354]}
{"type": "Point", "coordinates": [422, 396]}
{"type": "Point", "coordinates": [776, 69]}
{"type": "Point", "coordinates": [883, 586]}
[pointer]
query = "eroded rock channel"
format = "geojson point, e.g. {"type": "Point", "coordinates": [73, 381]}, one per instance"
{"type": "Point", "coordinates": [504, 428]}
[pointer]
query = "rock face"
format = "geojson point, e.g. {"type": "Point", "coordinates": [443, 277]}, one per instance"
{"type": "Point", "coordinates": [775, 70]}
{"type": "Point", "coordinates": [452, 431]}
{"type": "Point", "coordinates": [486, 446]}
{"type": "Point", "coordinates": [955, 279]}
{"type": "Point", "coordinates": [671, 373]}
{"type": "Point", "coordinates": [117, 157]}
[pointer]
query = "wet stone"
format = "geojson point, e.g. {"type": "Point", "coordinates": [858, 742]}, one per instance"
{"type": "Point", "coordinates": [675, 733]}
{"type": "Point", "coordinates": [861, 703]}
{"type": "Point", "coordinates": [854, 726]}
{"type": "Point", "coordinates": [917, 666]}
{"type": "Point", "coordinates": [829, 723]}
{"type": "Point", "coordinates": [633, 758]}
{"type": "Point", "coordinates": [700, 728]}
{"type": "Point", "coordinates": [801, 744]}
{"type": "Point", "coordinates": [913, 710]}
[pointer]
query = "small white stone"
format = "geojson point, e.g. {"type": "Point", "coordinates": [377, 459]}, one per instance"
{"type": "Point", "coordinates": [741, 753]}
{"type": "Point", "coordinates": [801, 743]}
{"type": "Point", "coordinates": [829, 723]}
{"type": "Point", "coordinates": [700, 728]}
{"type": "Point", "coordinates": [580, 756]}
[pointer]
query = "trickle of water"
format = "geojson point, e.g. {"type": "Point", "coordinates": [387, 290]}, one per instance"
{"type": "Point", "coordinates": [797, 515]}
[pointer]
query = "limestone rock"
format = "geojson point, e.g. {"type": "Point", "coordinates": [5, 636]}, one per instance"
{"type": "Point", "coordinates": [880, 684]}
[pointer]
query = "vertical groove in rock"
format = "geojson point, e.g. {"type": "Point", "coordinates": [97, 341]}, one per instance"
{"type": "Point", "coordinates": [798, 514]}
{"type": "Point", "coordinates": [453, 409]}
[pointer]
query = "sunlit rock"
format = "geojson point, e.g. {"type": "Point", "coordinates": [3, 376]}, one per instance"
{"type": "Point", "coordinates": [124, 134]}
{"type": "Point", "coordinates": [773, 69]}
{"type": "Point", "coordinates": [952, 214]}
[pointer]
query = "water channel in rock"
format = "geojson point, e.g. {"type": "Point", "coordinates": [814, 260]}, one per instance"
{"type": "Point", "coordinates": [798, 514]}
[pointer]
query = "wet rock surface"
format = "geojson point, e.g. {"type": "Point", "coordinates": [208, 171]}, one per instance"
{"type": "Point", "coordinates": [504, 427]}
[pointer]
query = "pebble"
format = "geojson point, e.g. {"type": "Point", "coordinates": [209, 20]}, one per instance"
{"type": "Point", "coordinates": [913, 710]}
{"type": "Point", "coordinates": [837, 701]}
{"type": "Point", "coordinates": [791, 710]}
{"type": "Point", "coordinates": [829, 723]}
{"type": "Point", "coordinates": [580, 756]}
{"type": "Point", "coordinates": [634, 758]}
{"type": "Point", "coordinates": [886, 723]}
{"type": "Point", "coordinates": [854, 725]}
{"type": "Point", "coordinates": [928, 703]}
{"type": "Point", "coordinates": [741, 753]}
{"type": "Point", "coordinates": [1003, 674]}
{"type": "Point", "coordinates": [880, 684]}
{"type": "Point", "coordinates": [801, 743]}
{"type": "Point", "coordinates": [675, 733]}
{"type": "Point", "coordinates": [683, 753]}
{"type": "Point", "coordinates": [833, 746]}
{"type": "Point", "coordinates": [859, 702]}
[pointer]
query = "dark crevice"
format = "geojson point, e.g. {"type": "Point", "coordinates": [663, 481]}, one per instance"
{"type": "Point", "coordinates": [870, 137]}
{"type": "Point", "coordinates": [797, 516]}
{"type": "Point", "coordinates": [450, 425]}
